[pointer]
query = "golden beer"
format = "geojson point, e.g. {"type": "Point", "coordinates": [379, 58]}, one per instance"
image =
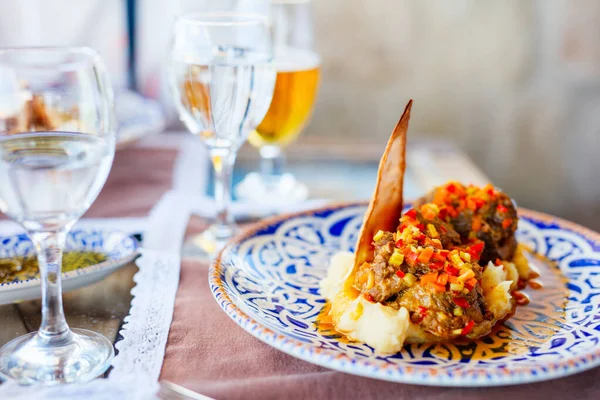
{"type": "Point", "coordinates": [293, 101]}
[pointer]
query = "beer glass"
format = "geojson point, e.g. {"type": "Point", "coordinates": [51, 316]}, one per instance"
{"type": "Point", "coordinates": [295, 93]}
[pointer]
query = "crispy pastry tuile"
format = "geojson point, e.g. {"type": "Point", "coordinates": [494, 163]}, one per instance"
{"type": "Point", "coordinates": [386, 203]}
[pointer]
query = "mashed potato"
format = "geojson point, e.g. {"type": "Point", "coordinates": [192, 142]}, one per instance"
{"type": "Point", "coordinates": [381, 327]}
{"type": "Point", "coordinates": [387, 329]}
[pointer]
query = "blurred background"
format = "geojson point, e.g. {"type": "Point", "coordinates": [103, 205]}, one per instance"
{"type": "Point", "coordinates": [514, 84]}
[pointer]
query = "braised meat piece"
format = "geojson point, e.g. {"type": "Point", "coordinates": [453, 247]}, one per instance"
{"type": "Point", "coordinates": [379, 279]}
{"type": "Point", "coordinates": [486, 214]}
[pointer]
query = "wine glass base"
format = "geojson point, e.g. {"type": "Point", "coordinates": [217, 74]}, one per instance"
{"type": "Point", "coordinates": [82, 356]}
{"type": "Point", "coordinates": [209, 243]}
{"type": "Point", "coordinates": [281, 190]}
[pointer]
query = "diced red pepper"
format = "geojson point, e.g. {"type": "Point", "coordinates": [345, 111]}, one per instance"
{"type": "Point", "coordinates": [368, 297]}
{"type": "Point", "coordinates": [400, 273]}
{"type": "Point", "coordinates": [439, 256]}
{"type": "Point", "coordinates": [451, 188]}
{"type": "Point", "coordinates": [498, 262]}
{"type": "Point", "coordinates": [399, 243]}
{"type": "Point", "coordinates": [436, 265]}
{"type": "Point", "coordinates": [443, 213]}
{"type": "Point", "coordinates": [420, 238]}
{"type": "Point", "coordinates": [477, 248]}
{"type": "Point", "coordinates": [468, 328]}
{"type": "Point", "coordinates": [479, 202]}
{"type": "Point", "coordinates": [453, 212]}
{"type": "Point", "coordinates": [425, 255]}
{"type": "Point", "coordinates": [501, 208]}
{"type": "Point", "coordinates": [411, 258]}
{"type": "Point", "coordinates": [507, 223]}
{"type": "Point", "coordinates": [412, 213]}
{"type": "Point", "coordinates": [461, 302]}
{"type": "Point", "coordinates": [443, 229]}
{"type": "Point", "coordinates": [452, 270]}
{"type": "Point", "coordinates": [420, 227]}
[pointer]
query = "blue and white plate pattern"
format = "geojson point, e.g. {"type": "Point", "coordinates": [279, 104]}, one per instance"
{"type": "Point", "coordinates": [119, 248]}
{"type": "Point", "coordinates": [267, 281]}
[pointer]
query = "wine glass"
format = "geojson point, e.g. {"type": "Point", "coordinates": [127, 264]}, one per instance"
{"type": "Point", "coordinates": [298, 72]}
{"type": "Point", "coordinates": [222, 80]}
{"type": "Point", "coordinates": [57, 142]}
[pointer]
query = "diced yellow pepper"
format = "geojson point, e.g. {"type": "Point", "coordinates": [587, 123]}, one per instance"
{"type": "Point", "coordinates": [456, 287]}
{"type": "Point", "coordinates": [378, 236]}
{"type": "Point", "coordinates": [466, 257]}
{"type": "Point", "coordinates": [457, 331]}
{"type": "Point", "coordinates": [396, 259]}
{"type": "Point", "coordinates": [466, 276]}
{"type": "Point", "coordinates": [432, 231]}
{"type": "Point", "coordinates": [458, 312]}
{"type": "Point", "coordinates": [410, 279]}
{"type": "Point", "coordinates": [455, 258]}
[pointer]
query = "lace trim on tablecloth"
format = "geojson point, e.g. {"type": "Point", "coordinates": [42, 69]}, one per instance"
{"type": "Point", "coordinates": [146, 328]}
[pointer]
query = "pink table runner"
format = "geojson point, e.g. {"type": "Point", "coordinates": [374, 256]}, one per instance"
{"type": "Point", "coordinates": [137, 180]}
{"type": "Point", "coordinates": [210, 354]}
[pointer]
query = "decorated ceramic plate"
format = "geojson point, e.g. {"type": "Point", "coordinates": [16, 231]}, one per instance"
{"type": "Point", "coordinates": [267, 281]}
{"type": "Point", "coordinates": [116, 248]}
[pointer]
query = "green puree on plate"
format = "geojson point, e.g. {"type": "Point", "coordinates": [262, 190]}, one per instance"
{"type": "Point", "coordinates": [23, 268]}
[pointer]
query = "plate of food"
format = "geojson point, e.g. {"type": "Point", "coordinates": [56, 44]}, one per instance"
{"type": "Point", "coordinates": [460, 288]}
{"type": "Point", "coordinates": [90, 255]}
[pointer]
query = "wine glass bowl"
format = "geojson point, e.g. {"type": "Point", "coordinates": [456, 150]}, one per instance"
{"type": "Point", "coordinates": [222, 81]}
{"type": "Point", "coordinates": [57, 143]}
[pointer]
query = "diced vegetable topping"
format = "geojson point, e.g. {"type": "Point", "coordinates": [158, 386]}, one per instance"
{"type": "Point", "coordinates": [468, 328]}
{"type": "Point", "coordinates": [396, 259]}
{"type": "Point", "coordinates": [461, 302]}
{"type": "Point", "coordinates": [410, 279]}
{"type": "Point", "coordinates": [378, 236]}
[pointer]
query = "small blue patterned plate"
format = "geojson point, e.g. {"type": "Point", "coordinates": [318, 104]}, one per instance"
{"type": "Point", "coordinates": [267, 281]}
{"type": "Point", "coordinates": [118, 247]}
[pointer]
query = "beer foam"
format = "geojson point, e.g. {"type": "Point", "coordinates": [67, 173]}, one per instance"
{"type": "Point", "coordinates": [292, 59]}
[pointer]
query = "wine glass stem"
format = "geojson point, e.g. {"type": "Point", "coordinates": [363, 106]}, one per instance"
{"type": "Point", "coordinates": [223, 162]}
{"type": "Point", "coordinates": [49, 247]}
{"type": "Point", "coordinates": [272, 164]}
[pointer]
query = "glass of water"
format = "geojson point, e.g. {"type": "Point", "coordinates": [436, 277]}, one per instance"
{"type": "Point", "coordinates": [57, 142]}
{"type": "Point", "coordinates": [222, 81]}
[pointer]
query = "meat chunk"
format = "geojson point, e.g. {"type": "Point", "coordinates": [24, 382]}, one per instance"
{"type": "Point", "coordinates": [492, 220]}
{"type": "Point", "coordinates": [434, 310]}
{"type": "Point", "coordinates": [378, 279]}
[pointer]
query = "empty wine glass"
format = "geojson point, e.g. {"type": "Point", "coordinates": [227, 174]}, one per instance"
{"type": "Point", "coordinates": [57, 142]}
{"type": "Point", "coordinates": [222, 80]}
